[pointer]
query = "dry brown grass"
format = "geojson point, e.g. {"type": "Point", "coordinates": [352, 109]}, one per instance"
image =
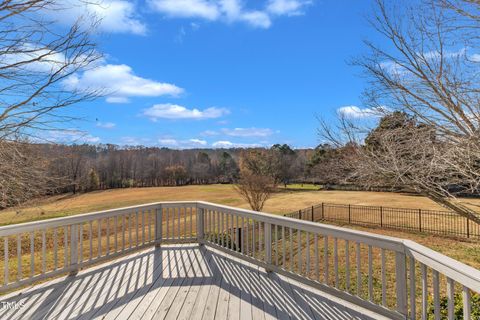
{"type": "Point", "coordinates": [282, 202]}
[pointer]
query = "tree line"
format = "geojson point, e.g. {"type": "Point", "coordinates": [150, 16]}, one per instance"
{"type": "Point", "coordinates": [58, 168]}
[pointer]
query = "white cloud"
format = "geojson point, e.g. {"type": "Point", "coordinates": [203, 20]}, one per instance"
{"type": "Point", "coordinates": [134, 141]}
{"type": "Point", "coordinates": [228, 144]}
{"type": "Point", "coordinates": [287, 7]}
{"type": "Point", "coordinates": [198, 142]}
{"type": "Point", "coordinates": [168, 142]}
{"type": "Point", "coordinates": [106, 125]}
{"type": "Point", "coordinates": [248, 132]}
{"type": "Point", "coordinates": [173, 111]}
{"type": "Point", "coordinates": [229, 11]}
{"type": "Point", "coordinates": [359, 113]}
{"type": "Point", "coordinates": [209, 133]}
{"type": "Point", "coordinates": [70, 136]}
{"type": "Point", "coordinates": [182, 144]}
{"type": "Point", "coordinates": [115, 16]}
{"type": "Point", "coordinates": [186, 8]}
{"type": "Point", "coordinates": [119, 83]}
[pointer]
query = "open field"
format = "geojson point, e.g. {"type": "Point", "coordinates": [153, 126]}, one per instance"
{"type": "Point", "coordinates": [283, 201]}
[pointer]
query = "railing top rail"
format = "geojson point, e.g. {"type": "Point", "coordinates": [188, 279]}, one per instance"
{"type": "Point", "coordinates": [84, 217]}
{"type": "Point", "coordinates": [376, 240]}
{"type": "Point", "coordinates": [455, 270]}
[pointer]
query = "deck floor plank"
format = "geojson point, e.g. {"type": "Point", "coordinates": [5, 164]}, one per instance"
{"type": "Point", "coordinates": [187, 282]}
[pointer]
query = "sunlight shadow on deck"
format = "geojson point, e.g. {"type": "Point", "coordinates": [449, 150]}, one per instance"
{"type": "Point", "coordinates": [152, 283]}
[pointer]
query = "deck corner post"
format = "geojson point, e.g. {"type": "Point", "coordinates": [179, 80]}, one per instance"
{"type": "Point", "coordinates": [200, 225]}
{"type": "Point", "coordinates": [158, 226]}
{"type": "Point", "coordinates": [401, 283]}
{"type": "Point", "coordinates": [74, 248]}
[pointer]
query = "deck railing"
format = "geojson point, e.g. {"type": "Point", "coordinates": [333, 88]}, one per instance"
{"type": "Point", "coordinates": [397, 278]}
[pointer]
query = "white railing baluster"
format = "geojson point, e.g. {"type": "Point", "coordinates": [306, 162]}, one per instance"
{"type": "Point", "coordinates": [276, 245]}
{"type": "Point", "coordinates": [220, 228]}
{"type": "Point", "coordinates": [167, 222]}
{"type": "Point", "coordinates": [423, 269]}
{"type": "Point", "coordinates": [401, 283]}
{"type": "Point", "coordinates": [191, 222]}
{"type": "Point", "coordinates": [44, 252]}
{"type": "Point", "coordinates": [359, 271]}
{"type": "Point", "coordinates": [99, 238]}
{"type": "Point", "coordinates": [232, 233]}
{"type": "Point", "coordinates": [384, 278]}
{"type": "Point", "coordinates": [32, 254]}
{"type": "Point", "coordinates": [436, 294]}
{"type": "Point", "coordinates": [137, 228]}
{"type": "Point", "coordinates": [90, 240]}
{"type": "Point", "coordinates": [467, 308]}
{"type": "Point", "coordinates": [248, 236]}
{"type": "Point", "coordinates": [55, 249]}
{"type": "Point", "coordinates": [179, 215]}
{"type": "Point", "coordinates": [370, 274]}
{"type": "Point", "coordinates": [107, 235]}
{"type": "Point", "coordinates": [450, 298]}
{"type": "Point", "coordinates": [81, 242]}
{"type": "Point", "coordinates": [19, 258]}
{"type": "Point", "coordinates": [268, 243]}
{"type": "Point", "coordinates": [299, 244]}
{"type": "Point", "coordinates": [115, 226]}
{"type": "Point", "coordinates": [149, 223]}
{"type": "Point", "coordinates": [243, 236]}
{"type": "Point", "coordinates": [237, 235]}
{"type": "Point", "coordinates": [291, 249]}
{"type": "Point", "coordinates": [325, 259]}
{"type": "Point", "coordinates": [413, 287]}
{"type": "Point", "coordinates": [5, 261]}
{"type": "Point", "coordinates": [253, 238]}
{"type": "Point", "coordinates": [335, 261]}
{"type": "Point", "coordinates": [260, 235]}
{"type": "Point", "coordinates": [307, 253]}
{"type": "Point", "coordinates": [347, 266]}
{"type": "Point", "coordinates": [284, 248]}
{"type": "Point", "coordinates": [185, 223]}
{"type": "Point", "coordinates": [317, 262]}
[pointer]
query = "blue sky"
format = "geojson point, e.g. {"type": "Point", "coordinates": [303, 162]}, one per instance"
{"type": "Point", "coordinates": [199, 73]}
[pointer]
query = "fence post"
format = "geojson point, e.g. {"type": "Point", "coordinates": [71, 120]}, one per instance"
{"type": "Point", "coordinates": [300, 214]}
{"type": "Point", "coordinates": [420, 220]}
{"type": "Point", "coordinates": [468, 227]}
{"type": "Point", "coordinates": [312, 214]}
{"type": "Point", "coordinates": [268, 244]}
{"type": "Point", "coordinates": [349, 214]}
{"type": "Point", "coordinates": [158, 226]}
{"type": "Point", "coordinates": [74, 247]}
{"type": "Point", "coordinates": [381, 216]}
{"type": "Point", "coordinates": [401, 283]}
{"type": "Point", "coordinates": [200, 226]}
{"type": "Point", "coordinates": [323, 212]}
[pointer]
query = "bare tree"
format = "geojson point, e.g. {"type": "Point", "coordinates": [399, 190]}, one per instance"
{"type": "Point", "coordinates": [36, 57]}
{"type": "Point", "coordinates": [430, 72]}
{"type": "Point", "coordinates": [255, 189]}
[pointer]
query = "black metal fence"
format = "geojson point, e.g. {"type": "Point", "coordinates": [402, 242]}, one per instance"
{"type": "Point", "coordinates": [419, 220]}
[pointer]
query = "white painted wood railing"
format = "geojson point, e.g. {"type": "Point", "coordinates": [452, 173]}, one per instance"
{"type": "Point", "coordinates": [397, 278]}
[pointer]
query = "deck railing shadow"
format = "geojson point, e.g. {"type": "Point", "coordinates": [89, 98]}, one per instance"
{"type": "Point", "coordinates": [91, 293]}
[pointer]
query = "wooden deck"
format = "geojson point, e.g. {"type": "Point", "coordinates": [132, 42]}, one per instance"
{"type": "Point", "coordinates": [177, 282]}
